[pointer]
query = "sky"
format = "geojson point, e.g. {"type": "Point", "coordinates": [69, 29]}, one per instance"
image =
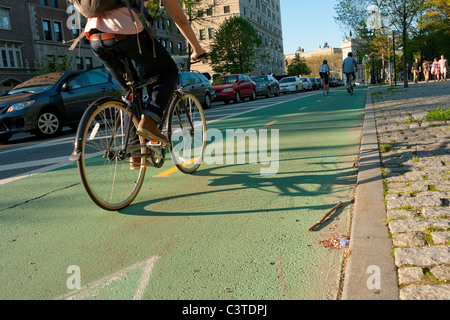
{"type": "Point", "coordinates": [308, 24]}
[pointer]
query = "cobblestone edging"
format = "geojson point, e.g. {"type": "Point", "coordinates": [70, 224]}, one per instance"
{"type": "Point", "coordinates": [415, 160]}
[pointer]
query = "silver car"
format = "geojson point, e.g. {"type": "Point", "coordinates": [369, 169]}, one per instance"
{"type": "Point", "coordinates": [291, 84]}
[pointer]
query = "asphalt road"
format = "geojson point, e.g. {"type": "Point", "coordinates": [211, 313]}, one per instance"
{"type": "Point", "coordinates": [227, 232]}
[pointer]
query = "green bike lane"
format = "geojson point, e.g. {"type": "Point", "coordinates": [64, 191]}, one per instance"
{"type": "Point", "coordinates": [227, 232]}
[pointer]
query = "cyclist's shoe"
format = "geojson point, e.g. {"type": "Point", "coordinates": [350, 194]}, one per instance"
{"type": "Point", "coordinates": [149, 130]}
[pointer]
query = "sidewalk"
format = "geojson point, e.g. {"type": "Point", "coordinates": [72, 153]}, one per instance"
{"type": "Point", "coordinates": [415, 168]}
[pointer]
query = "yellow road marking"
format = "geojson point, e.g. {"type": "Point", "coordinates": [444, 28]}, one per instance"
{"type": "Point", "coordinates": [271, 123]}
{"type": "Point", "coordinates": [172, 170]}
{"type": "Point", "coordinates": [302, 108]}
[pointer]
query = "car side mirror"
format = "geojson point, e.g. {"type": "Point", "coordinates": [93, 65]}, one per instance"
{"type": "Point", "coordinates": [65, 87]}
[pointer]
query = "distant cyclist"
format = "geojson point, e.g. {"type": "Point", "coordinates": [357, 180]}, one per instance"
{"type": "Point", "coordinates": [349, 67]}
{"type": "Point", "coordinates": [324, 72]}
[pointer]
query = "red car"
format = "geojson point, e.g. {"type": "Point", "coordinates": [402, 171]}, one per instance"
{"type": "Point", "coordinates": [235, 87]}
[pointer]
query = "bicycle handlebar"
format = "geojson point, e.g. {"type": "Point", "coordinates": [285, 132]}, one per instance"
{"type": "Point", "coordinates": [184, 57]}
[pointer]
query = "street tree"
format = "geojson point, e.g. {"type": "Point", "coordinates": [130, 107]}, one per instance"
{"type": "Point", "coordinates": [236, 47]}
{"type": "Point", "coordinates": [298, 67]}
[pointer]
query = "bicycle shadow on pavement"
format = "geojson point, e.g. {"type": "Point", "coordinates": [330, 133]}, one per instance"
{"type": "Point", "coordinates": [321, 183]}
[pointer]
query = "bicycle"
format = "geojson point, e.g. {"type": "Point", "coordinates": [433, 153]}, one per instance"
{"type": "Point", "coordinates": [350, 83]}
{"type": "Point", "coordinates": [106, 141]}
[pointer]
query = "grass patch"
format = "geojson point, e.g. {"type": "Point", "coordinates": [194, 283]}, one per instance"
{"type": "Point", "coordinates": [438, 115]}
{"type": "Point", "coordinates": [385, 148]}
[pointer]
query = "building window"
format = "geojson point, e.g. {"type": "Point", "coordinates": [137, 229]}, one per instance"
{"type": "Point", "coordinates": [47, 30]}
{"type": "Point", "coordinates": [79, 62]}
{"type": "Point", "coordinates": [58, 31]}
{"type": "Point", "coordinates": [210, 33]}
{"type": "Point", "coordinates": [88, 62]}
{"type": "Point", "coordinates": [10, 56]}
{"type": "Point", "coordinates": [4, 19]}
{"type": "Point", "coordinates": [226, 9]}
{"type": "Point", "coordinates": [202, 34]}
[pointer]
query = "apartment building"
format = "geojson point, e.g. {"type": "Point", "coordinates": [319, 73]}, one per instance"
{"type": "Point", "coordinates": [265, 17]}
{"type": "Point", "coordinates": [32, 31]}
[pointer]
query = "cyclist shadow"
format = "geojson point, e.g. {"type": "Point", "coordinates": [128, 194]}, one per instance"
{"type": "Point", "coordinates": [287, 185]}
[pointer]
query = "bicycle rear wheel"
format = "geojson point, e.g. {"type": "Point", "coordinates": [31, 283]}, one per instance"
{"type": "Point", "coordinates": [104, 164]}
{"type": "Point", "coordinates": [186, 129]}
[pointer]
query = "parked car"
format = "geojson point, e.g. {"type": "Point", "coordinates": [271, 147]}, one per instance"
{"type": "Point", "coordinates": [235, 87]}
{"type": "Point", "coordinates": [266, 85]}
{"type": "Point", "coordinates": [197, 84]}
{"type": "Point", "coordinates": [332, 81]}
{"type": "Point", "coordinates": [319, 82]}
{"type": "Point", "coordinates": [307, 84]}
{"type": "Point", "coordinates": [291, 84]}
{"type": "Point", "coordinates": [46, 103]}
{"type": "Point", "coordinates": [315, 83]}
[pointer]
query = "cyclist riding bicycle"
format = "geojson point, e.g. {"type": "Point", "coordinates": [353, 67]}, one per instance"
{"type": "Point", "coordinates": [114, 36]}
{"type": "Point", "coordinates": [349, 67]}
{"type": "Point", "coordinates": [324, 72]}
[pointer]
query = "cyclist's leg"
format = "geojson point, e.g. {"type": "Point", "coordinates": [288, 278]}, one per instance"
{"type": "Point", "coordinates": [112, 59]}
{"type": "Point", "coordinates": [162, 66]}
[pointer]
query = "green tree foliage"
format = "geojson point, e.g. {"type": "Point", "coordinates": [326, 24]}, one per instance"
{"type": "Point", "coordinates": [236, 47]}
{"type": "Point", "coordinates": [60, 61]}
{"type": "Point", "coordinates": [298, 67]}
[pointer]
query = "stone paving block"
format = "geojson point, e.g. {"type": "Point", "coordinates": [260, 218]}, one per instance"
{"type": "Point", "coordinates": [425, 201]}
{"type": "Point", "coordinates": [441, 273]}
{"type": "Point", "coordinates": [409, 239]}
{"type": "Point", "coordinates": [411, 225]}
{"type": "Point", "coordinates": [422, 256]}
{"type": "Point", "coordinates": [433, 212]}
{"type": "Point", "coordinates": [410, 274]}
{"type": "Point", "coordinates": [441, 237]}
{"type": "Point", "coordinates": [402, 214]}
{"type": "Point", "coordinates": [425, 292]}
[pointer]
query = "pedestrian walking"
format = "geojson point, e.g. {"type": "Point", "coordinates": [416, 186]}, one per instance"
{"type": "Point", "coordinates": [443, 65]}
{"type": "Point", "coordinates": [426, 70]}
{"type": "Point", "coordinates": [416, 69]}
{"type": "Point", "coordinates": [435, 70]}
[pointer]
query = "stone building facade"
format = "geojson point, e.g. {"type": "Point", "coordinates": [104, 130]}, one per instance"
{"type": "Point", "coordinates": [263, 15]}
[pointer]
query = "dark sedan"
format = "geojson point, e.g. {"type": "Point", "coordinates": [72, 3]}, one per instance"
{"type": "Point", "coordinates": [46, 103]}
{"type": "Point", "coordinates": [196, 83]}
{"type": "Point", "coordinates": [266, 85]}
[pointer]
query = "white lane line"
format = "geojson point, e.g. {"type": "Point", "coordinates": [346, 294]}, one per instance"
{"type": "Point", "coordinates": [96, 288]}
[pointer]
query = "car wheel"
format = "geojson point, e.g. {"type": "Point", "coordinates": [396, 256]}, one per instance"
{"type": "Point", "coordinates": [253, 97]}
{"type": "Point", "coordinates": [5, 137]}
{"type": "Point", "coordinates": [268, 93]}
{"type": "Point", "coordinates": [277, 92]}
{"type": "Point", "coordinates": [49, 123]}
{"type": "Point", "coordinates": [207, 103]}
{"type": "Point", "coordinates": [237, 97]}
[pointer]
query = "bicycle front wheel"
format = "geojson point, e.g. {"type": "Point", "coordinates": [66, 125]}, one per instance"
{"type": "Point", "coordinates": [186, 129]}
{"type": "Point", "coordinates": [104, 163]}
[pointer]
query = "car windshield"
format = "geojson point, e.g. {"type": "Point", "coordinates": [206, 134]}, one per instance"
{"type": "Point", "coordinates": [226, 80]}
{"type": "Point", "coordinates": [304, 79]}
{"type": "Point", "coordinates": [287, 80]}
{"type": "Point", "coordinates": [259, 79]}
{"type": "Point", "coordinates": [39, 83]}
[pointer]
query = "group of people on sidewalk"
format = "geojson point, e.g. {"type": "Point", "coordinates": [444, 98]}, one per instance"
{"type": "Point", "coordinates": [437, 70]}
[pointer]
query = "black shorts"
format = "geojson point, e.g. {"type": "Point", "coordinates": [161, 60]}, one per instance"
{"type": "Point", "coordinates": [324, 76]}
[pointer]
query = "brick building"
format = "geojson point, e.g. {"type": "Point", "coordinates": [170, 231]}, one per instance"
{"type": "Point", "coordinates": [31, 31]}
